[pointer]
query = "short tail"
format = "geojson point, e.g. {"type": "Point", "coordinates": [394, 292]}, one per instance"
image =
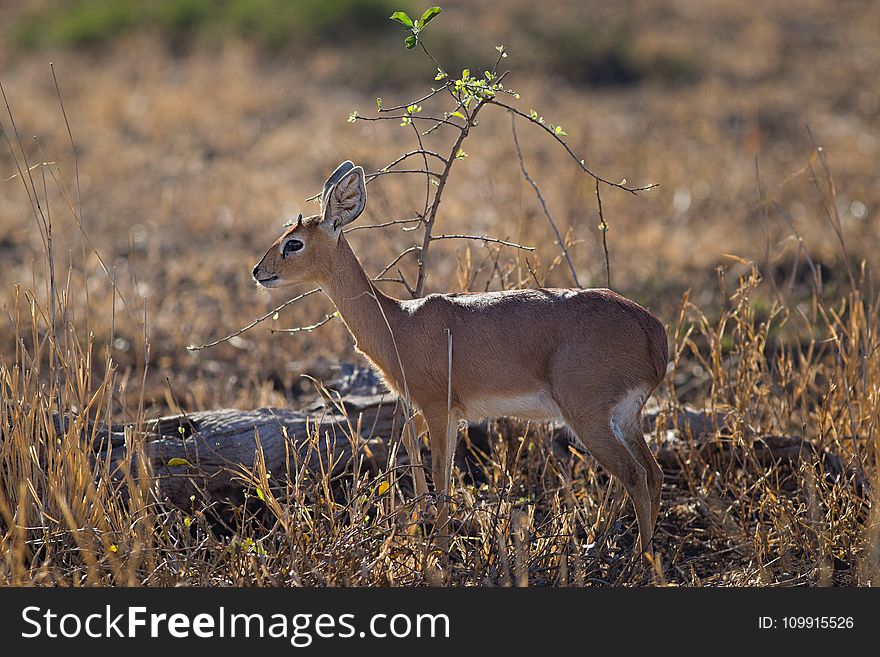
{"type": "Point", "coordinates": [658, 345]}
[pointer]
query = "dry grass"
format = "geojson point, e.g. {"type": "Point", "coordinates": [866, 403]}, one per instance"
{"type": "Point", "coordinates": [187, 166]}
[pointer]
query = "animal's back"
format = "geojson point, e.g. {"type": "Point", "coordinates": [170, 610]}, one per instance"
{"type": "Point", "coordinates": [508, 342]}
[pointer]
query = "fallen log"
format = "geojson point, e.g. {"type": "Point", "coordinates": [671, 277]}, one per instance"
{"type": "Point", "coordinates": [209, 454]}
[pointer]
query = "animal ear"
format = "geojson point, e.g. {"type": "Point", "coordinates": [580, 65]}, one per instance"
{"type": "Point", "coordinates": [345, 199]}
{"type": "Point", "coordinates": [334, 178]}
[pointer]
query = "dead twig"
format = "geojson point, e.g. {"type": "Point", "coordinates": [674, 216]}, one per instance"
{"type": "Point", "coordinates": [522, 166]}
{"type": "Point", "coordinates": [310, 327]}
{"type": "Point", "coordinates": [193, 347]}
{"type": "Point", "coordinates": [621, 185]}
{"type": "Point", "coordinates": [438, 195]}
{"type": "Point", "coordinates": [483, 238]}
{"type": "Point", "coordinates": [603, 228]}
{"type": "Point", "coordinates": [397, 259]}
{"type": "Point", "coordinates": [384, 225]}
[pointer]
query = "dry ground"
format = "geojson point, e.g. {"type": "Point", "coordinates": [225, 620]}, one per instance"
{"type": "Point", "coordinates": [189, 162]}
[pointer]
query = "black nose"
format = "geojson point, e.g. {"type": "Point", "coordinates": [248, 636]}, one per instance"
{"type": "Point", "coordinates": [256, 267]}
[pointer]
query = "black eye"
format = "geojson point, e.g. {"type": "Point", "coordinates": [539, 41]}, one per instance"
{"type": "Point", "coordinates": [292, 245]}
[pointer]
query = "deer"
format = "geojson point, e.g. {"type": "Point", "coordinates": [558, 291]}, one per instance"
{"type": "Point", "coordinates": [588, 358]}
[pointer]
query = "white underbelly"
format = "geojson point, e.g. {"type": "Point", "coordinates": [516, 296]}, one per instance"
{"type": "Point", "coordinates": [526, 406]}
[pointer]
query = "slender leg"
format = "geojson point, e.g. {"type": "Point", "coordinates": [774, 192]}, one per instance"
{"type": "Point", "coordinates": [630, 432]}
{"type": "Point", "coordinates": [655, 475]}
{"type": "Point", "coordinates": [596, 434]}
{"type": "Point", "coordinates": [409, 435]}
{"type": "Point", "coordinates": [443, 433]}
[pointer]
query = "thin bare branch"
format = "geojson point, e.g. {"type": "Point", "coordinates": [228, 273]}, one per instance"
{"type": "Point", "coordinates": [398, 258]}
{"type": "Point", "coordinates": [418, 151]}
{"type": "Point", "coordinates": [483, 238]}
{"type": "Point", "coordinates": [580, 162]}
{"type": "Point", "coordinates": [522, 166]}
{"type": "Point", "coordinates": [414, 117]}
{"type": "Point", "coordinates": [400, 279]}
{"type": "Point", "coordinates": [310, 327]}
{"type": "Point", "coordinates": [603, 228]}
{"type": "Point", "coordinates": [532, 272]}
{"type": "Point", "coordinates": [431, 57]}
{"type": "Point", "coordinates": [269, 314]}
{"type": "Point", "coordinates": [438, 195]}
{"type": "Point", "coordinates": [424, 172]}
{"type": "Point", "coordinates": [427, 181]}
{"type": "Point", "coordinates": [434, 92]}
{"type": "Point", "coordinates": [394, 222]}
{"type": "Point", "coordinates": [405, 284]}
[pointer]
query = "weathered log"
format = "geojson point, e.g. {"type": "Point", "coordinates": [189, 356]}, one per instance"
{"type": "Point", "coordinates": [208, 454]}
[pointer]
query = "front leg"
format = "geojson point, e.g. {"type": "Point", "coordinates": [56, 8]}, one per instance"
{"type": "Point", "coordinates": [410, 435]}
{"type": "Point", "coordinates": [443, 435]}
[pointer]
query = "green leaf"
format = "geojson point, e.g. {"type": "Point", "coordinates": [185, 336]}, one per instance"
{"type": "Point", "coordinates": [178, 461]}
{"type": "Point", "coordinates": [458, 114]}
{"type": "Point", "coordinates": [252, 546]}
{"type": "Point", "coordinates": [378, 103]}
{"type": "Point", "coordinates": [441, 74]}
{"type": "Point", "coordinates": [429, 15]}
{"type": "Point", "coordinates": [402, 17]}
{"type": "Point", "coordinates": [260, 494]}
{"type": "Point", "coordinates": [410, 41]}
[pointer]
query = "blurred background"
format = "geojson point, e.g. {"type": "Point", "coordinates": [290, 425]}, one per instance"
{"type": "Point", "coordinates": [200, 127]}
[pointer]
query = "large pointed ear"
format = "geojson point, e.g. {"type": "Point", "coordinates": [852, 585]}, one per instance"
{"type": "Point", "coordinates": [345, 198]}
{"type": "Point", "coordinates": [334, 178]}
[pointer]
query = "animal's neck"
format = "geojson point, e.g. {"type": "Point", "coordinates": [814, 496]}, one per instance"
{"type": "Point", "coordinates": [366, 311]}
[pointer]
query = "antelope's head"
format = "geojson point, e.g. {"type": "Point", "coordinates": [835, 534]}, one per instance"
{"type": "Point", "coordinates": [305, 251]}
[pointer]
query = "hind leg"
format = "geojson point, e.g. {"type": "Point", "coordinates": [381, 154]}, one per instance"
{"type": "Point", "coordinates": [595, 432]}
{"type": "Point", "coordinates": [655, 475]}
{"type": "Point", "coordinates": [626, 424]}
